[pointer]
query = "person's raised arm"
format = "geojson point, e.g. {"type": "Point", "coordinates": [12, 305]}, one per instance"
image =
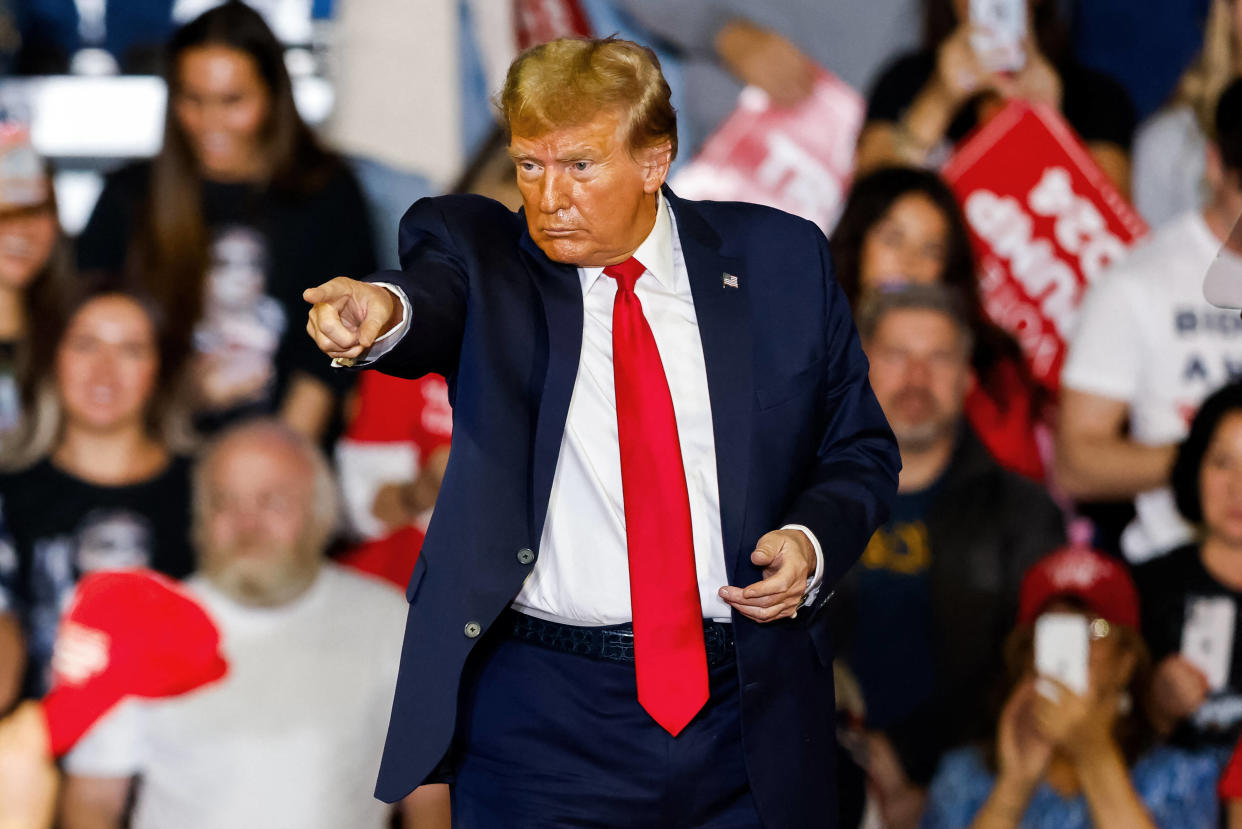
{"type": "Point", "coordinates": [906, 131]}
{"type": "Point", "coordinates": [1094, 457]}
{"type": "Point", "coordinates": [1082, 727]}
{"type": "Point", "coordinates": [1111, 797]}
{"type": "Point", "coordinates": [767, 59]}
{"type": "Point", "coordinates": [1022, 755]}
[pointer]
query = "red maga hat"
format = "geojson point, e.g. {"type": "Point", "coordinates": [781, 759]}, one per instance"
{"type": "Point", "coordinates": [126, 633]}
{"type": "Point", "coordinates": [1099, 581]}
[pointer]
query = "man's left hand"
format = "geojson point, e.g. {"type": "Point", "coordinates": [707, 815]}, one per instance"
{"type": "Point", "coordinates": [788, 560]}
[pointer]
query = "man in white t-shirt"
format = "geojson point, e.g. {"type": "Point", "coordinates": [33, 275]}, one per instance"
{"type": "Point", "coordinates": [1148, 349]}
{"type": "Point", "coordinates": [292, 736]}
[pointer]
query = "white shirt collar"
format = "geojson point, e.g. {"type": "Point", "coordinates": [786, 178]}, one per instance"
{"type": "Point", "coordinates": [656, 251]}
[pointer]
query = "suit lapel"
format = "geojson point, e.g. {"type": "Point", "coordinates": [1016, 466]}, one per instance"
{"type": "Point", "coordinates": [561, 294]}
{"type": "Point", "coordinates": [723, 313]}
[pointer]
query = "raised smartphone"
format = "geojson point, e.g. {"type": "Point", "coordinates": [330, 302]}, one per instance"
{"type": "Point", "coordinates": [999, 30]}
{"type": "Point", "coordinates": [1062, 642]}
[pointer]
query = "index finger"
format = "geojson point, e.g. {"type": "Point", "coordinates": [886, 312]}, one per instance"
{"type": "Point", "coordinates": [326, 292]}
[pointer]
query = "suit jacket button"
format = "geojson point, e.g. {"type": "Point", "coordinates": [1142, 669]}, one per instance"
{"type": "Point", "coordinates": [473, 630]}
{"type": "Point", "coordinates": [526, 555]}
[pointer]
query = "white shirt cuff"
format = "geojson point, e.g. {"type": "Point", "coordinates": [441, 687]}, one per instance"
{"type": "Point", "coordinates": [817, 578]}
{"type": "Point", "coordinates": [388, 341]}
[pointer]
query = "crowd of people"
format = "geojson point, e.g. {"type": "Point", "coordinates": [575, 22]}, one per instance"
{"type": "Point", "coordinates": [161, 407]}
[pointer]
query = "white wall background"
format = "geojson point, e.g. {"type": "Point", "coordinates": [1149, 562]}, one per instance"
{"type": "Point", "coordinates": [397, 85]}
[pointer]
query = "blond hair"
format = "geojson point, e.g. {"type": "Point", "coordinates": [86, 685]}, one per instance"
{"type": "Point", "coordinates": [1217, 64]}
{"type": "Point", "coordinates": [566, 82]}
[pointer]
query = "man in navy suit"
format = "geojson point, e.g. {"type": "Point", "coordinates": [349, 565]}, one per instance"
{"type": "Point", "coordinates": [665, 454]}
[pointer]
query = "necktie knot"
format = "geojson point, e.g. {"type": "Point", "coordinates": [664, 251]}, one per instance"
{"type": "Point", "coordinates": [626, 273]}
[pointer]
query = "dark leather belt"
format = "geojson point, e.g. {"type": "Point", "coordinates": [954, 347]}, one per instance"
{"type": "Point", "coordinates": [614, 643]}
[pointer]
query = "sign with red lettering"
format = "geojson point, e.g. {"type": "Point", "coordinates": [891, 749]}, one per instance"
{"type": "Point", "coordinates": [1045, 221]}
{"type": "Point", "coordinates": [538, 21]}
{"type": "Point", "coordinates": [799, 159]}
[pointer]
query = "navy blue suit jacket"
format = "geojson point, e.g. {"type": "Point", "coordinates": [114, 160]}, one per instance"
{"type": "Point", "coordinates": [799, 439]}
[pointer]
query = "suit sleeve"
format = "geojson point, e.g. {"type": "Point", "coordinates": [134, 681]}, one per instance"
{"type": "Point", "coordinates": [434, 278]}
{"type": "Point", "coordinates": [851, 487]}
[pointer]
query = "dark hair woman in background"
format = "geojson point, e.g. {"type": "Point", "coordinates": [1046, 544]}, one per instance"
{"type": "Point", "coordinates": [241, 210]}
{"type": "Point", "coordinates": [901, 225]}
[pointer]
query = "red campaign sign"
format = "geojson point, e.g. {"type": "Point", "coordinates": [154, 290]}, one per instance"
{"type": "Point", "coordinates": [799, 159]}
{"type": "Point", "coordinates": [1045, 220]}
{"type": "Point", "coordinates": [538, 21]}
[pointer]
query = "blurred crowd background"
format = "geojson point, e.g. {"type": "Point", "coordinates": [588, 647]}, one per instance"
{"type": "Point", "coordinates": [1023, 234]}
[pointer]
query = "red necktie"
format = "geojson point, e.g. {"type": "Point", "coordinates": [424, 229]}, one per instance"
{"type": "Point", "coordinates": [670, 662]}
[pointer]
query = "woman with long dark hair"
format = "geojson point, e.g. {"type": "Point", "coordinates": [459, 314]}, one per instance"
{"type": "Point", "coordinates": [928, 100]}
{"type": "Point", "coordinates": [241, 210]}
{"type": "Point", "coordinates": [902, 225]}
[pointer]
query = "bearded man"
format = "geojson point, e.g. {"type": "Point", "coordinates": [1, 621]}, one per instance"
{"type": "Point", "coordinates": [292, 735]}
{"type": "Point", "coordinates": [924, 614]}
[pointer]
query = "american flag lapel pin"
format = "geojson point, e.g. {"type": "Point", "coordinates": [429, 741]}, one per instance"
{"type": "Point", "coordinates": [728, 280]}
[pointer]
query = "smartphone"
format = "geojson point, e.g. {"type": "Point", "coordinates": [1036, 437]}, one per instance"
{"type": "Point", "coordinates": [999, 32]}
{"type": "Point", "coordinates": [1061, 647]}
{"type": "Point", "coordinates": [1207, 637]}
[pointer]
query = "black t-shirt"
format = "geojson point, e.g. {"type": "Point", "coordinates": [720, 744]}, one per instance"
{"type": "Point", "coordinates": [56, 527]}
{"type": "Point", "coordinates": [1095, 105]}
{"type": "Point", "coordinates": [1169, 587]}
{"type": "Point", "coordinates": [892, 654]}
{"type": "Point", "coordinates": [266, 247]}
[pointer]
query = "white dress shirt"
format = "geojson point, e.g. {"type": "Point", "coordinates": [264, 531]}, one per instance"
{"type": "Point", "coordinates": [582, 574]}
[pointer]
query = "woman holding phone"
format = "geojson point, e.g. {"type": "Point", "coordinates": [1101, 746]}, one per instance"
{"type": "Point", "coordinates": [928, 100]}
{"type": "Point", "coordinates": [1065, 758]}
{"type": "Point", "coordinates": [1191, 596]}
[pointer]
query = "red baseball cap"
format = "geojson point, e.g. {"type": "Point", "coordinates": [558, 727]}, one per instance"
{"type": "Point", "coordinates": [126, 633]}
{"type": "Point", "coordinates": [1099, 581]}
